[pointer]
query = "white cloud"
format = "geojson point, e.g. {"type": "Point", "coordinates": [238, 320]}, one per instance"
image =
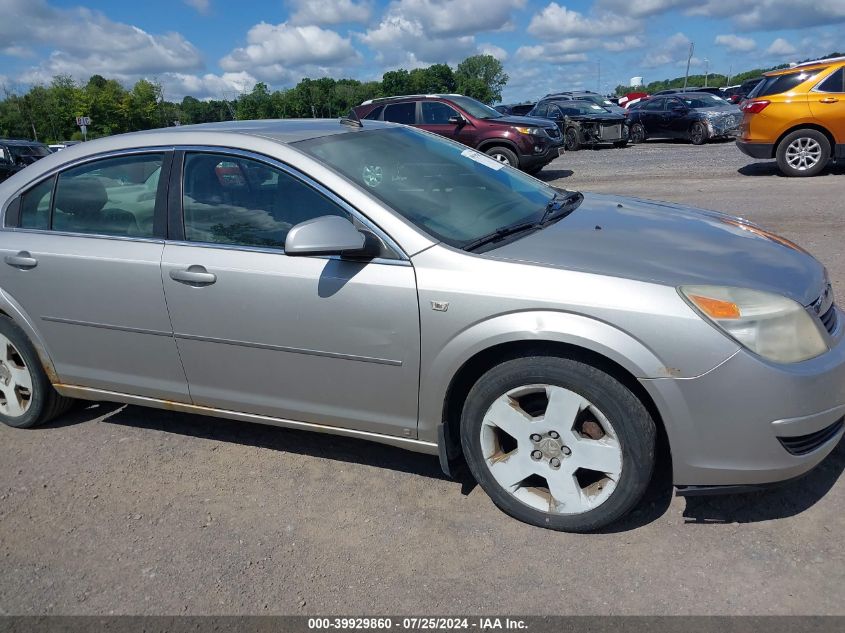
{"type": "Point", "coordinates": [736, 44]}
{"type": "Point", "coordinates": [202, 6]}
{"type": "Point", "coordinates": [450, 18]}
{"type": "Point", "coordinates": [781, 48]}
{"type": "Point", "coordinates": [322, 12]}
{"type": "Point", "coordinates": [556, 21]}
{"type": "Point", "coordinates": [548, 53]}
{"type": "Point", "coordinates": [274, 51]}
{"type": "Point", "coordinates": [642, 8]}
{"type": "Point", "coordinates": [491, 49]}
{"type": "Point", "coordinates": [208, 86]}
{"type": "Point", "coordinates": [674, 50]}
{"type": "Point", "coordinates": [771, 15]}
{"type": "Point", "coordinates": [86, 42]}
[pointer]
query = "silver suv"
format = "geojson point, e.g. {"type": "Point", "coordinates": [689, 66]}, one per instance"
{"type": "Point", "coordinates": [386, 283]}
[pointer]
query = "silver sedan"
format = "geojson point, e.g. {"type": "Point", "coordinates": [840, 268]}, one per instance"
{"type": "Point", "coordinates": [381, 282]}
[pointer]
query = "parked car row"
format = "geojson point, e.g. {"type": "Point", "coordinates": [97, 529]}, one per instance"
{"type": "Point", "coordinates": [15, 154]}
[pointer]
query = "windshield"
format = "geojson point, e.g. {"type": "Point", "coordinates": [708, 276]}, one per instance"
{"type": "Point", "coordinates": [451, 192]}
{"type": "Point", "coordinates": [475, 108]}
{"type": "Point", "coordinates": [573, 108]}
{"type": "Point", "coordinates": [704, 101]}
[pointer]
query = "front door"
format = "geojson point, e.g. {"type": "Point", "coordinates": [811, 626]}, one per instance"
{"type": "Point", "coordinates": [85, 264]}
{"type": "Point", "coordinates": [442, 119]}
{"type": "Point", "coordinates": [314, 339]}
{"type": "Point", "coordinates": [827, 103]}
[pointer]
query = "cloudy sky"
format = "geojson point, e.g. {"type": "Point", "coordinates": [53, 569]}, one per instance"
{"type": "Point", "coordinates": [217, 48]}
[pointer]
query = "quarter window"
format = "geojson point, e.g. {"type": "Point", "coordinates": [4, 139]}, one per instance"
{"type": "Point", "coordinates": [375, 113]}
{"type": "Point", "coordinates": [436, 113]}
{"type": "Point", "coordinates": [243, 202]}
{"type": "Point", "coordinates": [113, 196]}
{"type": "Point", "coordinates": [35, 206]}
{"type": "Point", "coordinates": [401, 113]}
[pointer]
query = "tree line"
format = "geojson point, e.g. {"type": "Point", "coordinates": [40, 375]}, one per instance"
{"type": "Point", "coordinates": [48, 112]}
{"type": "Point", "coordinates": [712, 79]}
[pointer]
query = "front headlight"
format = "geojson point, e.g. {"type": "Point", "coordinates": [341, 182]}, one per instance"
{"type": "Point", "coordinates": [771, 325]}
{"type": "Point", "coordinates": [532, 131]}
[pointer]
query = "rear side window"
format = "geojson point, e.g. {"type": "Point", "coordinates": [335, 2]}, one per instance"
{"type": "Point", "coordinates": [35, 206]}
{"type": "Point", "coordinates": [781, 83]}
{"type": "Point", "coordinates": [401, 113]}
{"type": "Point", "coordinates": [113, 196]}
{"type": "Point", "coordinates": [375, 113]}
{"type": "Point", "coordinates": [834, 83]}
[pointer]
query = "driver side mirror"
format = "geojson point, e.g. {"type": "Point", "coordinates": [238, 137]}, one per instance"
{"type": "Point", "coordinates": [457, 120]}
{"type": "Point", "coordinates": [330, 235]}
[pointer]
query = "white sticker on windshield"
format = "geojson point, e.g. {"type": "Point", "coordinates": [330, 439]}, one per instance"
{"type": "Point", "coordinates": [483, 159]}
{"type": "Point", "coordinates": [596, 107]}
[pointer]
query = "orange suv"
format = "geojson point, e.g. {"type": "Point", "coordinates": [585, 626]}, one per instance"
{"type": "Point", "coordinates": [797, 115]}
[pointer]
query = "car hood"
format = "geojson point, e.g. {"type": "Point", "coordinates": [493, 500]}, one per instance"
{"type": "Point", "coordinates": [523, 121]}
{"type": "Point", "coordinates": [603, 117]}
{"type": "Point", "coordinates": [671, 245]}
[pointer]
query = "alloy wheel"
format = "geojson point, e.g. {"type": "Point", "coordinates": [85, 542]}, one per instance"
{"type": "Point", "coordinates": [551, 449]}
{"type": "Point", "coordinates": [500, 158]}
{"type": "Point", "coordinates": [803, 153]}
{"type": "Point", "coordinates": [15, 381]}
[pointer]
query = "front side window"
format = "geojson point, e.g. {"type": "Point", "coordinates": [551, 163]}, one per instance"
{"type": "Point", "coordinates": [401, 113]}
{"type": "Point", "coordinates": [453, 193]}
{"type": "Point", "coordinates": [541, 110]}
{"type": "Point", "coordinates": [834, 83]}
{"type": "Point", "coordinates": [113, 196]}
{"type": "Point", "coordinates": [436, 113]}
{"type": "Point", "coordinates": [35, 206]}
{"type": "Point", "coordinates": [243, 202]}
{"type": "Point", "coordinates": [655, 104]}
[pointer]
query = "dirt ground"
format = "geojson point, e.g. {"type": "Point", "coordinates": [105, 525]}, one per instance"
{"type": "Point", "coordinates": [122, 510]}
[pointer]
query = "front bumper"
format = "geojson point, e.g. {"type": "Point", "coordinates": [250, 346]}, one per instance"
{"type": "Point", "coordinates": [736, 424]}
{"type": "Point", "coordinates": [756, 150]}
{"type": "Point", "coordinates": [530, 159]}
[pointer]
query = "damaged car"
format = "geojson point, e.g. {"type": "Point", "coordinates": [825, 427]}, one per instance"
{"type": "Point", "coordinates": [696, 116]}
{"type": "Point", "coordinates": [584, 123]}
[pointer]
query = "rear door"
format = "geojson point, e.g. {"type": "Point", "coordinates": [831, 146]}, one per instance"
{"type": "Point", "coordinates": [314, 339]}
{"type": "Point", "coordinates": [82, 255]}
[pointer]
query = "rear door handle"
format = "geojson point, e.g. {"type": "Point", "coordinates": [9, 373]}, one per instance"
{"type": "Point", "coordinates": [22, 260]}
{"type": "Point", "coordinates": [193, 276]}
{"type": "Point", "coordinates": [829, 100]}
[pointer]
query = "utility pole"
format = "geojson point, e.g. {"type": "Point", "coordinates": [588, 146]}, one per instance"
{"type": "Point", "coordinates": [598, 80]}
{"type": "Point", "coordinates": [689, 59]}
{"type": "Point", "coordinates": [706, 70]}
{"type": "Point", "coordinates": [730, 74]}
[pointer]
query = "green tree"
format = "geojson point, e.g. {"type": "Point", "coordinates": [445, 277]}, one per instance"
{"type": "Point", "coordinates": [482, 77]}
{"type": "Point", "coordinates": [396, 82]}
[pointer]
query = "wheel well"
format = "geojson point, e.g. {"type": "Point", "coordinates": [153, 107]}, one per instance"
{"type": "Point", "coordinates": [478, 365]}
{"type": "Point", "coordinates": [498, 143]}
{"type": "Point", "coordinates": [808, 126]}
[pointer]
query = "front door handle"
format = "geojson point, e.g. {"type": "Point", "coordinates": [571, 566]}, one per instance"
{"type": "Point", "coordinates": [193, 276]}
{"type": "Point", "coordinates": [829, 100]}
{"type": "Point", "coordinates": [22, 260]}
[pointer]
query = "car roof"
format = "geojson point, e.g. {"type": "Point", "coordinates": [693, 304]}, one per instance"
{"type": "Point", "coordinates": [812, 65]}
{"type": "Point", "coordinates": [19, 142]}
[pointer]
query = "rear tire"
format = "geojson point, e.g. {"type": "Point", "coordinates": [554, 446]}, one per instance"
{"type": "Point", "coordinates": [637, 133]}
{"type": "Point", "coordinates": [27, 398]}
{"type": "Point", "coordinates": [803, 153]}
{"type": "Point", "coordinates": [558, 443]}
{"type": "Point", "coordinates": [503, 155]}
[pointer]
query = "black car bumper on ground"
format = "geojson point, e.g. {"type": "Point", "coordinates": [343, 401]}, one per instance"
{"type": "Point", "coordinates": [756, 150]}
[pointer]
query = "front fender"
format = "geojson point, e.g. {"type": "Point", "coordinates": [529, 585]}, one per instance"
{"type": "Point", "coordinates": [13, 309]}
{"type": "Point", "coordinates": [527, 326]}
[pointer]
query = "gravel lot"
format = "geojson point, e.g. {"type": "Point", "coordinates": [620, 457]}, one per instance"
{"type": "Point", "coordinates": [123, 510]}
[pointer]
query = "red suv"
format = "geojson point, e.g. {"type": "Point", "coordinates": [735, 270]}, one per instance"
{"type": "Point", "coordinates": [525, 142]}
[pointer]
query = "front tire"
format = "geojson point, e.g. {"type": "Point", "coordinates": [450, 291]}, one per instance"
{"type": "Point", "coordinates": [698, 134]}
{"type": "Point", "coordinates": [558, 443]}
{"type": "Point", "coordinates": [27, 398]}
{"type": "Point", "coordinates": [571, 142]}
{"type": "Point", "coordinates": [503, 155]}
{"type": "Point", "coordinates": [637, 133]}
{"type": "Point", "coordinates": [803, 153]}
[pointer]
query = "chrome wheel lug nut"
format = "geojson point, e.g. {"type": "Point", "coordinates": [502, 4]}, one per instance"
{"type": "Point", "coordinates": [535, 437]}
{"type": "Point", "coordinates": [554, 462]}
{"type": "Point", "coordinates": [554, 435]}
{"type": "Point", "coordinates": [536, 455]}
{"type": "Point", "coordinates": [566, 450]}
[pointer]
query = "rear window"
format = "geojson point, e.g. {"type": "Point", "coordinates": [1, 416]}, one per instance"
{"type": "Point", "coordinates": [781, 83]}
{"type": "Point", "coordinates": [401, 113]}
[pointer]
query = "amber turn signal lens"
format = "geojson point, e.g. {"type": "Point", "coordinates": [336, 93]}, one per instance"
{"type": "Point", "coordinates": [715, 308]}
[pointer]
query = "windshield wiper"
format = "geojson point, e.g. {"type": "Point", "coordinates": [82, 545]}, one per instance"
{"type": "Point", "coordinates": [560, 206]}
{"type": "Point", "coordinates": [500, 233]}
